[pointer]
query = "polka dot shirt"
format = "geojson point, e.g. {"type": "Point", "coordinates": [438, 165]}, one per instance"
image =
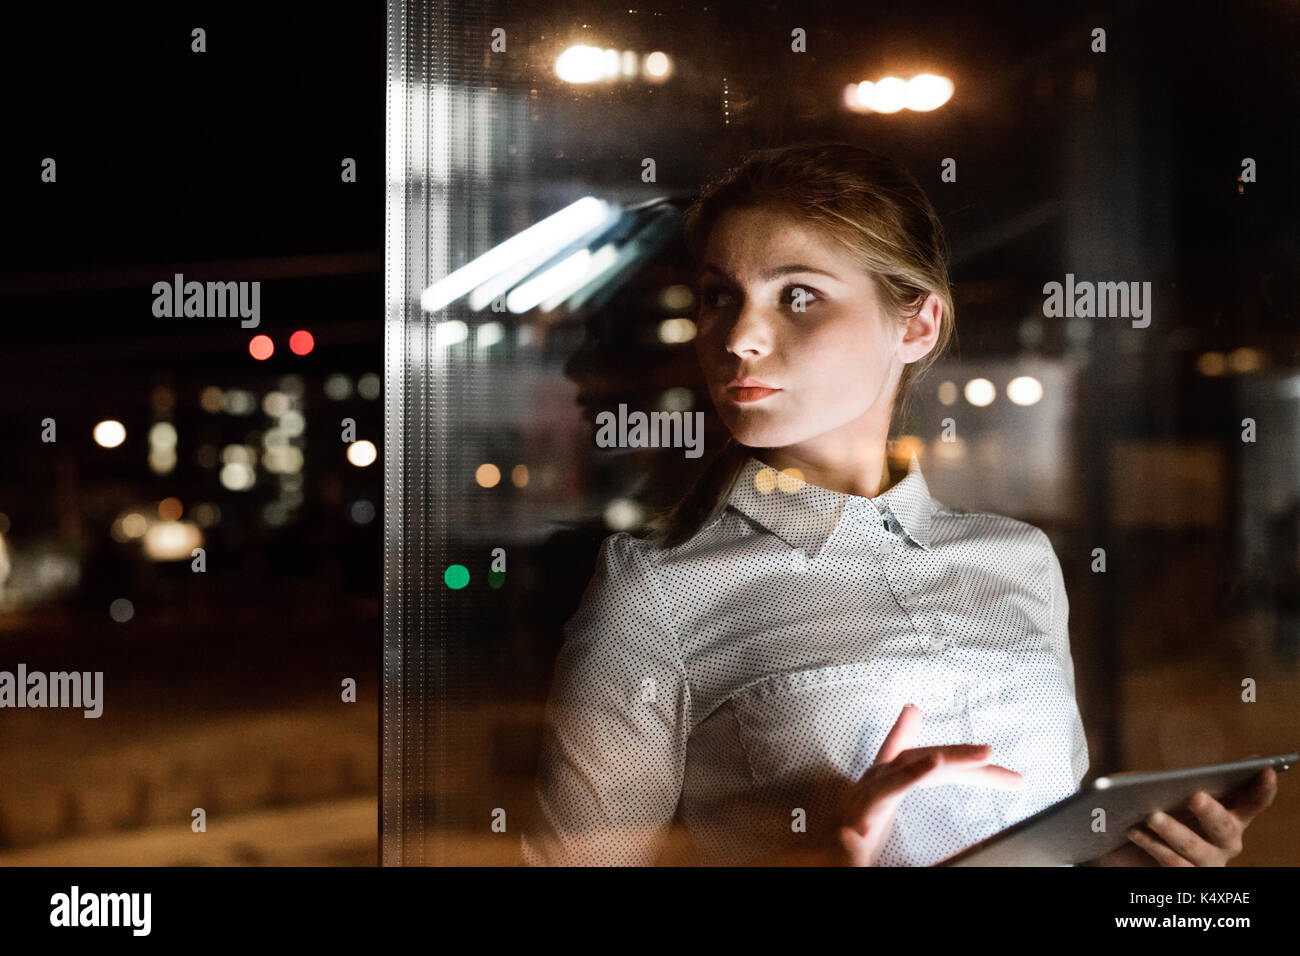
{"type": "Point", "coordinates": [740, 682]}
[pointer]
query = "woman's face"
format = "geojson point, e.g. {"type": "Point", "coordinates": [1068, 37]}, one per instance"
{"type": "Point", "coordinates": [834, 366]}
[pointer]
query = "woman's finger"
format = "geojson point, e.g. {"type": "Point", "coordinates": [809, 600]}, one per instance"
{"type": "Point", "coordinates": [881, 790]}
{"type": "Point", "coordinates": [951, 753]}
{"type": "Point", "coordinates": [895, 777]}
{"type": "Point", "coordinates": [1256, 797]}
{"type": "Point", "coordinates": [1221, 827]}
{"type": "Point", "coordinates": [1184, 841]}
{"type": "Point", "coordinates": [988, 775]}
{"type": "Point", "coordinates": [1156, 848]}
{"type": "Point", "coordinates": [902, 734]}
{"type": "Point", "coordinates": [935, 766]}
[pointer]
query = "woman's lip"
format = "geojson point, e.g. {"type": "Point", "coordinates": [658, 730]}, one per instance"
{"type": "Point", "coordinates": [750, 394]}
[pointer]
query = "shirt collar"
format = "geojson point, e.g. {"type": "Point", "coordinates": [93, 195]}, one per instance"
{"type": "Point", "coordinates": [804, 515]}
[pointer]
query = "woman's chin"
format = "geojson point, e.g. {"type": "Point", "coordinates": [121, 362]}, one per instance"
{"type": "Point", "coordinates": [760, 434]}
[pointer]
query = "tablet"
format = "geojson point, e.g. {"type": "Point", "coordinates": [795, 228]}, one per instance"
{"type": "Point", "coordinates": [1065, 833]}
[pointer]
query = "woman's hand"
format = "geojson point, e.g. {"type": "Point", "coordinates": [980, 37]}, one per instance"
{"type": "Point", "coordinates": [1216, 841]}
{"type": "Point", "coordinates": [871, 803]}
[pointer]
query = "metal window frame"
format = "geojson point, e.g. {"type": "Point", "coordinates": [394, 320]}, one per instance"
{"type": "Point", "coordinates": [437, 168]}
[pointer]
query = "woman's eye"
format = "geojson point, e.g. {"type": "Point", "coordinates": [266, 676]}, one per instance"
{"type": "Point", "coordinates": [715, 298]}
{"type": "Point", "coordinates": [799, 296]}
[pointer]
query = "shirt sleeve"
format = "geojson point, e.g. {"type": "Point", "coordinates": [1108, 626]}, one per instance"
{"type": "Point", "coordinates": [1060, 642]}
{"type": "Point", "coordinates": [617, 719]}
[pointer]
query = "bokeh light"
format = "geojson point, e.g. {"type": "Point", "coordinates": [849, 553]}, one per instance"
{"type": "Point", "coordinates": [109, 433]}
{"type": "Point", "coordinates": [362, 453]}
{"type": "Point", "coordinates": [162, 460]}
{"type": "Point", "coordinates": [450, 332]}
{"type": "Point", "coordinates": [261, 347]}
{"type": "Point", "coordinates": [675, 331]}
{"type": "Point", "coordinates": [980, 391]}
{"type": "Point", "coordinates": [623, 514]}
{"type": "Point", "coordinates": [789, 479]}
{"type": "Point", "coordinates": [133, 525]}
{"type": "Point", "coordinates": [207, 514]}
{"type": "Point", "coordinates": [240, 454]}
{"type": "Point", "coordinates": [1245, 359]}
{"type": "Point", "coordinates": [275, 513]}
{"type": "Point", "coordinates": [581, 64]}
{"type": "Point", "coordinates": [121, 610]}
{"type": "Point", "coordinates": [904, 447]}
{"type": "Point", "coordinates": [1211, 363]}
{"type": "Point", "coordinates": [162, 435]}
{"type": "Point", "coordinates": [171, 540]}
{"type": "Point", "coordinates": [1024, 390]}
{"type": "Point", "coordinates": [275, 404]}
{"type": "Point", "coordinates": [238, 401]}
{"type": "Point", "coordinates": [679, 398]}
{"type": "Point", "coordinates": [338, 387]}
{"type": "Point", "coordinates": [765, 481]}
{"type": "Point", "coordinates": [162, 399]}
{"type": "Point", "coordinates": [282, 460]}
{"type": "Point", "coordinates": [301, 342]}
{"type": "Point", "coordinates": [926, 92]}
{"type": "Point", "coordinates": [237, 476]}
{"type": "Point", "coordinates": [211, 400]}
{"type": "Point", "coordinates": [292, 423]}
{"type": "Point", "coordinates": [657, 65]}
{"type": "Point", "coordinates": [677, 298]}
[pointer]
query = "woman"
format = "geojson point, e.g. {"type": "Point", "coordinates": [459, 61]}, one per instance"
{"type": "Point", "coordinates": [793, 666]}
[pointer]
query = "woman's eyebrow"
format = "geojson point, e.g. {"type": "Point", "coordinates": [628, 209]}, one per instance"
{"type": "Point", "coordinates": [768, 274]}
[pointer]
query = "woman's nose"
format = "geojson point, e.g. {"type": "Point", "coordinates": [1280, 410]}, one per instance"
{"type": "Point", "coordinates": [751, 334]}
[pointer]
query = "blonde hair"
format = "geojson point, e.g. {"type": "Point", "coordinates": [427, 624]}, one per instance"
{"type": "Point", "coordinates": [876, 210]}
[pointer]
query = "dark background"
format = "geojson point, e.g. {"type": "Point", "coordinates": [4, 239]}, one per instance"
{"type": "Point", "coordinates": [223, 690]}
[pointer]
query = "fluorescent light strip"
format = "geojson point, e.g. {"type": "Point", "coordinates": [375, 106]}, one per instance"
{"type": "Point", "coordinates": [563, 273]}
{"type": "Point", "coordinates": [555, 231]}
{"type": "Point", "coordinates": [599, 261]}
{"type": "Point", "coordinates": [543, 259]}
{"type": "Point", "coordinates": [633, 253]}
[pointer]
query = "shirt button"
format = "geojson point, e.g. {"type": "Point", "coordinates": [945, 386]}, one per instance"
{"type": "Point", "coordinates": [885, 548]}
{"type": "Point", "coordinates": [799, 560]}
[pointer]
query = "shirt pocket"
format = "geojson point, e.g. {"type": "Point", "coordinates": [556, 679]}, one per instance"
{"type": "Point", "coordinates": [1031, 720]}
{"type": "Point", "coordinates": [809, 735]}
{"type": "Point", "coordinates": [818, 726]}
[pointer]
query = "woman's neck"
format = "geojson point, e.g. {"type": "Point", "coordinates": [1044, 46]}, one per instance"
{"type": "Point", "coordinates": [867, 475]}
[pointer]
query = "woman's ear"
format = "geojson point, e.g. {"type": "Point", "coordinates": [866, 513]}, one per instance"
{"type": "Point", "coordinates": [922, 330]}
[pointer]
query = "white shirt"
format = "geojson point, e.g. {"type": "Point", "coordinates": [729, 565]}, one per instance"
{"type": "Point", "coordinates": [751, 674]}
